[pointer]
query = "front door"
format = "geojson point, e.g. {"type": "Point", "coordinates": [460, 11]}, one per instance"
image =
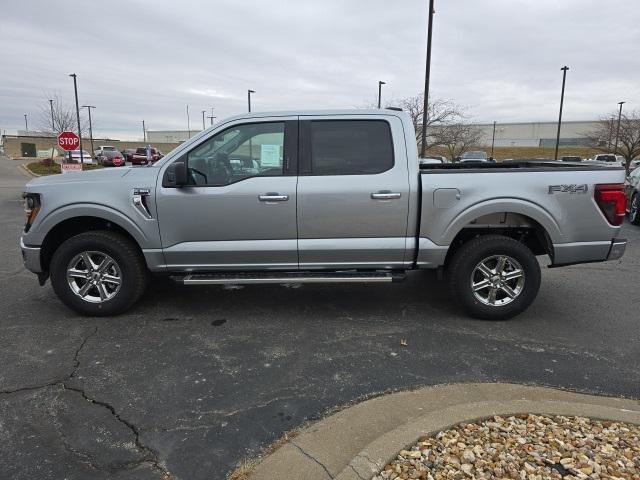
{"type": "Point", "coordinates": [353, 193]}
{"type": "Point", "coordinates": [239, 210]}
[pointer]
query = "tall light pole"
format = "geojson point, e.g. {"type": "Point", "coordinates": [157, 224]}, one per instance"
{"type": "Point", "coordinates": [89, 107]}
{"type": "Point", "coordinates": [380, 83]}
{"type": "Point", "coordinates": [75, 89]}
{"type": "Point", "coordinates": [26, 124]}
{"type": "Point", "coordinates": [211, 117]}
{"type": "Point", "coordinates": [203, 125]}
{"type": "Point", "coordinates": [249, 92]}
{"type": "Point", "coordinates": [144, 133]}
{"type": "Point", "coordinates": [493, 138]}
{"type": "Point", "coordinates": [615, 150]}
{"type": "Point", "coordinates": [53, 123]}
{"type": "Point", "coordinates": [564, 78]}
{"type": "Point", "coordinates": [188, 122]}
{"type": "Point", "coordinates": [426, 82]}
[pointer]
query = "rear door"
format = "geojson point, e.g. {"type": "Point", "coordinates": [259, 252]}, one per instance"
{"type": "Point", "coordinates": [353, 192]}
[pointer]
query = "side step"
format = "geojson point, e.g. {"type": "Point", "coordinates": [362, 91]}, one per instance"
{"type": "Point", "coordinates": [288, 277]}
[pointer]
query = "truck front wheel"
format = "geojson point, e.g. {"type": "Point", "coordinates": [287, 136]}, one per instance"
{"type": "Point", "coordinates": [494, 277]}
{"type": "Point", "coordinates": [98, 273]}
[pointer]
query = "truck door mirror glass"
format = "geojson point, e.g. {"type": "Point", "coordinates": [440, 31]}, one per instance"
{"type": "Point", "coordinates": [175, 175]}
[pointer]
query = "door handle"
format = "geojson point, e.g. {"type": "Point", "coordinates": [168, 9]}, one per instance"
{"type": "Point", "coordinates": [273, 197]}
{"type": "Point", "coordinates": [385, 195]}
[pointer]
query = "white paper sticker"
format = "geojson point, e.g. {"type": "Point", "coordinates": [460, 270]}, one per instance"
{"type": "Point", "coordinates": [270, 155]}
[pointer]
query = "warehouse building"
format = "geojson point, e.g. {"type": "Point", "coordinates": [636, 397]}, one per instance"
{"type": "Point", "coordinates": [538, 134]}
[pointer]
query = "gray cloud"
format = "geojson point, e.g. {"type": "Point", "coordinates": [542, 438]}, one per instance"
{"type": "Point", "coordinates": [149, 59]}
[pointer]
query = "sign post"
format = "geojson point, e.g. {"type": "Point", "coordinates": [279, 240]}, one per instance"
{"type": "Point", "coordinates": [69, 141]}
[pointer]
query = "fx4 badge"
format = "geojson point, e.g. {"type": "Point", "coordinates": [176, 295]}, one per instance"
{"type": "Point", "coordinates": [573, 188]}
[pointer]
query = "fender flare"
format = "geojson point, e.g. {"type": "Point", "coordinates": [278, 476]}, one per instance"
{"type": "Point", "coordinates": [506, 205]}
{"type": "Point", "coordinates": [103, 212]}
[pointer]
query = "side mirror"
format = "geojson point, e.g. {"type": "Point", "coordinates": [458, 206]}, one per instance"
{"type": "Point", "coordinates": [491, 159]}
{"type": "Point", "coordinates": [176, 175]}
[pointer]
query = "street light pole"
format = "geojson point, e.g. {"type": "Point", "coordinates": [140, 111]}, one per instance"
{"type": "Point", "coordinates": [26, 125]}
{"type": "Point", "coordinates": [75, 89]}
{"type": "Point", "coordinates": [426, 82]}
{"type": "Point", "coordinates": [211, 117]}
{"type": "Point", "coordinates": [89, 107]}
{"type": "Point", "coordinates": [564, 78]}
{"type": "Point", "coordinates": [144, 133]}
{"type": "Point", "coordinates": [615, 150]}
{"type": "Point", "coordinates": [53, 123]}
{"type": "Point", "coordinates": [249, 92]}
{"type": "Point", "coordinates": [380, 83]}
{"type": "Point", "coordinates": [493, 138]}
{"type": "Point", "coordinates": [203, 125]}
{"type": "Point", "coordinates": [188, 122]}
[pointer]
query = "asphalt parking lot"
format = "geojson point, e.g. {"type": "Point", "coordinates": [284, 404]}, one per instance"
{"type": "Point", "coordinates": [196, 378]}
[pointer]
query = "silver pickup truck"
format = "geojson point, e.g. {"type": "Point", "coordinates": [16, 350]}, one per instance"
{"type": "Point", "coordinates": [318, 196]}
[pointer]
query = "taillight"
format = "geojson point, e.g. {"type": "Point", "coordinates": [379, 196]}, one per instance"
{"type": "Point", "coordinates": [612, 201]}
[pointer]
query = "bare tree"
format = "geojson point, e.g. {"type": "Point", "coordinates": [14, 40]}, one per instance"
{"type": "Point", "coordinates": [64, 117]}
{"type": "Point", "coordinates": [604, 135]}
{"type": "Point", "coordinates": [457, 138]}
{"type": "Point", "coordinates": [439, 112]}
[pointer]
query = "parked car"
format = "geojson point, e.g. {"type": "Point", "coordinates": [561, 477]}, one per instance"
{"type": "Point", "coordinates": [605, 157]}
{"type": "Point", "coordinates": [140, 156]}
{"type": "Point", "coordinates": [475, 156]}
{"type": "Point", "coordinates": [571, 158]}
{"type": "Point", "coordinates": [632, 190]}
{"type": "Point", "coordinates": [75, 156]}
{"type": "Point", "coordinates": [104, 148]}
{"type": "Point", "coordinates": [431, 159]}
{"type": "Point", "coordinates": [110, 158]}
{"type": "Point", "coordinates": [634, 164]}
{"type": "Point", "coordinates": [622, 160]}
{"type": "Point", "coordinates": [297, 215]}
{"type": "Point", "coordinates": [127, 153]}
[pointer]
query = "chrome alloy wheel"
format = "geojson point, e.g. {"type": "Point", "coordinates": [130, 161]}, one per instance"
{"type": "Point", "coordinates": [94, 276]}
{"type": "Point", "coordinates": [497, 280]}
{"type": "Point", "coordinates": [633, 209]}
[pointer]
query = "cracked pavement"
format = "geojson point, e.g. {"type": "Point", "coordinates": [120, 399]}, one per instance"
{"type": "Point", "coordinates": [196, 378]}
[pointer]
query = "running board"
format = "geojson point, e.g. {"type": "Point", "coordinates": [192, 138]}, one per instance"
{"type": "Point", "coordinates": [287, 277]}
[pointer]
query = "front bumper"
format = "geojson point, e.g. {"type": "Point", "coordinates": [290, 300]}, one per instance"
{"type": "Point", "coordinates": [31, 257]}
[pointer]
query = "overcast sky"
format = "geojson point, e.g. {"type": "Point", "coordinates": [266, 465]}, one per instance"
{"type": "Point", "coordinates": [148, 59]}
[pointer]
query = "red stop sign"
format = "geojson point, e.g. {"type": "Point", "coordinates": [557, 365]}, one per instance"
{"type": "Point", "coordinates": [68, 141]}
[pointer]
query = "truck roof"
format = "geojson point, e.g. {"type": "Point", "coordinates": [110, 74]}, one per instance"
{"type": "Point", "coordinates": [310, 112]}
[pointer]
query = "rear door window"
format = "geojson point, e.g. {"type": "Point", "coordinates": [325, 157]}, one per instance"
{"type": "Point", "coordinates": [350, 147]}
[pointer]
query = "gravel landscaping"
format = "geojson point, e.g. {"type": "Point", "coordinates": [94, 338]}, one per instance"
{"type": "Point", "coordinates": [526, 447]}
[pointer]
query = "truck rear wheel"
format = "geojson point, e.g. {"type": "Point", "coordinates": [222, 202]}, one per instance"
{"type": "Point", "coordinates": [98, 273]}
{"type": "Point", "coordinates": [494, 277]}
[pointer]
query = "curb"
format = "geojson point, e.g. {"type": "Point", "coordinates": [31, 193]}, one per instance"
{"type": "Point", "coordinates": [355, 443]}
{"type": "Point", "coordinates": [28, 171]}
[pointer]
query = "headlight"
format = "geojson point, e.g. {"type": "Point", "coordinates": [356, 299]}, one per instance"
{"type": "Point", "coordinates": [31, 208]}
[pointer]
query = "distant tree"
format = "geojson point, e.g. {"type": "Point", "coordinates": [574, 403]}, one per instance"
{"type": "Point", "coordinates": [457, 138]}
{"type": "Point", "coordinates": [439, 112]}
{"type": "Point", "coordinates": [64, 117]}
{"type": "Point", "coordinates": [604, 135]}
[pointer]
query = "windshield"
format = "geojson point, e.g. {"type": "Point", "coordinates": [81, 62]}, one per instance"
{"type": "Point", "coordinates": [474, 155]}
{"type": "Point", "coordinates": [108, 148]}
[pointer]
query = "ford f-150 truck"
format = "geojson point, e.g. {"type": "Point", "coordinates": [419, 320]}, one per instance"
{"type": "Point", "coordinates": [318, 196]}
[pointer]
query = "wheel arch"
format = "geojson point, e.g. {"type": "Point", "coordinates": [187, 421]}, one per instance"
{"type": "Point", "coordinates": [70, 226]}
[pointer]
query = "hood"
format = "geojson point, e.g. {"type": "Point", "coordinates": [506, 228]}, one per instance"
{"type": "Point", "coordinates": [98, 176]}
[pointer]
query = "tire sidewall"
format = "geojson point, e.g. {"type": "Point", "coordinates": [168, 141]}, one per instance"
{"type": "Point", "coordinates": [634, 217]}
{"type": "Point", "coordinates": [472, 257]}
{"type": "Point", "coordinates": [88, 242]}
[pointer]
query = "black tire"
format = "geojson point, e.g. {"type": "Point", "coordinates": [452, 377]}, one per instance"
{"type": "Point", "coordinates": [634, 209]}
{"type": "Point", "coordinates": [128, 259]}
{"type": "Point", "coordinates": [463, 265]}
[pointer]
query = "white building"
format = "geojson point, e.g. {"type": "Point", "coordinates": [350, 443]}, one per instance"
{"type": "Point", "coordinates": [538, 134]}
